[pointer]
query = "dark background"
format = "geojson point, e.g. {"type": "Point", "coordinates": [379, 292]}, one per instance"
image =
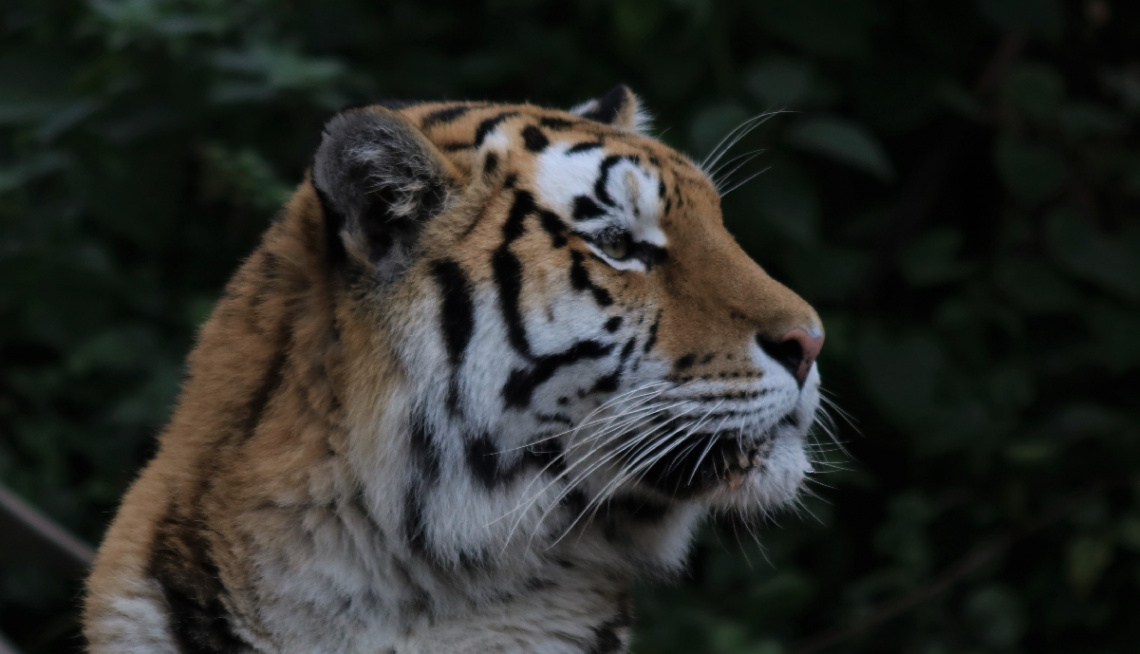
{"type": "Point", "coordinates": [956, 190]}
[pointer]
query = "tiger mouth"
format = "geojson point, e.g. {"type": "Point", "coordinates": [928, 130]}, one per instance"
{"type": "Point", "coordinates": [705, 461]}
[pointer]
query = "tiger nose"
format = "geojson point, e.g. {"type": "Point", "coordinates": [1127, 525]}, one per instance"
{"type": "Point", "coordinates": [796, 350]}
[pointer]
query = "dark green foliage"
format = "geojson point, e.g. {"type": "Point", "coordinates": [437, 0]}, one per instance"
{"type": "Point", "coordinates": [957, 192]}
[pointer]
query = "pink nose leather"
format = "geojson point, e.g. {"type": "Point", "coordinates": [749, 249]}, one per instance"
{"type": "Point", "coordinates": [810, 347]}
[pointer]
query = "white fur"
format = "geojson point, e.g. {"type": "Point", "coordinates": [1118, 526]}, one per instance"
{"type": "Point", "coordinates": [561, 176]}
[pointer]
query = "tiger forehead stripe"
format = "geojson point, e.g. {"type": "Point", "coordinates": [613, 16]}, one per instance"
{"type": "Point", "coordinates": [606, 194]}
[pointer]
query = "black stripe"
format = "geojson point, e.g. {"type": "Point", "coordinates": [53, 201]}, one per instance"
{"type": "Point", "coordinates": [613, 324]}
{"type": "Point", "coordinates": [521, 384]}
{"type": "Point", "coordinates": [580, 280]}
{"type": "Point", "coordinates": [457, 313]}
{"type": "Point", "coordinates": [488, 125]}
{"type": "Point", "coordinates": [312, 234]}
{"type": "Point", "coordinates": [423, 452]}
{"type": "Point", "coordinates": [270, 383]}
{"type": "Point", "coordinates": [560, 418]}
{"type": "Point", "coordinates": [650, 254]}
{"type": "Point", "coordinates": [586, 208]}
{"type": "Point", "coordinates": [556, 123]}
{"type": "Point", "coordinates": [547, 455]}
{"type": "Point", "coordinates": [507, 272]}
{"type": "Point", "coordinates": [334, 221]}
{"type": "Point", "coordinates": [609, 383]}
{"type": "Point", "coordinates": [490, 164]}
{"type": "Point", "coordinates": [483, 460]}
{"type": "Point", "coordinates": [508, 277]}
{"type": "Point", "coordinates": [606, 640]}
{"type": "Point", "coordinates": [425, 457]}
{"type": "Point", "coordinates": [456, 320]}
{"type": "Point", "coordinates": [604, 178]}
{"type": "Point", "coordinates": [415, 529]}
{"type": "Point", "coordinates": [514, 227]}
{"type": "Point", "coordinates": [642, 509]}
{"type": "Point", "coordinates": [554, 226]}
{"type": "Point", "coordinates": [721, 397]}
{"type": "Point", "coordinates": [607, 107]}
{"type": "Point", "coordinates": [182, 564]}
{"type": "Point", "coordinates": [445, 115]}
{"type": "Point", "coordinates": [534, 139]}
{"type": "Point", "coordinates": [584, 146]}
{"type": "Point", "coordinates": [685, 362]}
{"type": "Point", "coordinates": [652, 340]}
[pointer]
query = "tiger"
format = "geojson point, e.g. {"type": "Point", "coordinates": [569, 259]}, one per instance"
{"type": "Point", "coordinates": [490, 364]}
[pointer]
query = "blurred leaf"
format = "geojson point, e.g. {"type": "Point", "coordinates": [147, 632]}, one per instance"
{"type": "Point", "coordinates": [1034, 286]}
{"type": "Point", "coordinates": [1093, 256]}
{"type": "Point", "coordinates": [138, 122]}
{"type": "Point", "coordinates": [842, 141]}
{"type": "Point", "coordinates": [1088, 558]}
{"type": "Point", "coordinates": [900, 372]}
{"type": "Point", "coordinates": [784, 199]}
{"type": "Point", "coordinates": [713, 124]}
{"type": "Point", "coordinates": [243, 177]}
{"type": "Point", "coordinates": [821, 27]}
{"type": "Point", "coordinates": [1032, 172]}
{"type": "Point", "coordinates": [32, 84]}
{"type": "Point", "coordinates": [1114, 331]}
{"type": "Point", "coordinates": [827, 273]}
{"type": "Point", "coordinates": [1085, 119]}
{"type": "Point", "coordinates": [1126, 83]}
{"type": "Point", "coordinates": [903, 537]}
{"type": "Point", "coordinates": [1009, 386]}
{"type": "Point", "coordinates": [124, 22]}
{"type": "Point", "coordinates": [1130, 532]}
{"type": "Point", "coordinates": [960, 100]}
{"type": "Point", "coordinates": [779, 82]}
{"type": "Point", "coordinates": [1083, 420]}
{"type": "Point", "coordinates": [932, 258]}
{"type": "Point", "coordinates": [635, 20]}
{"type": "Point", "coordinates": [1031, 452]}
{"type": "Point", "coordinates": [150, 403]}
{"type": "Point", "coordinates": [1034, 89]}
{"type": "Point", "coordinates": [126, 348]}
{"type": "Point", "coordinates": [263, 70]}
{"type": "Point", "coordinates": [996, 616]}
{"type": "Point", "coordinates": [44, 163]}
{"type": "Point", "coordinates": [1038, 17]}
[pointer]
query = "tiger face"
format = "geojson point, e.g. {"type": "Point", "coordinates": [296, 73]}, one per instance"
{"type": "Point", "coordinates": [571, 324]}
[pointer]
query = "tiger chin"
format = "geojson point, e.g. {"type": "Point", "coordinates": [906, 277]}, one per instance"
{"type": "Point", "coordinates": [489, 364]}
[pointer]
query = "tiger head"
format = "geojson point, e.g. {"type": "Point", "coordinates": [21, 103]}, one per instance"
{"type": "Point", "coordinates": [543, 315]}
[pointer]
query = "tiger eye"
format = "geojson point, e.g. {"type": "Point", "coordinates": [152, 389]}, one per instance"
{"type": "Point", "coordinates": [615, 249]}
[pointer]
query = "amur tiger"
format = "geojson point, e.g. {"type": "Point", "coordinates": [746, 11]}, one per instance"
{"type": "Point", "coordinates": [489, 364]}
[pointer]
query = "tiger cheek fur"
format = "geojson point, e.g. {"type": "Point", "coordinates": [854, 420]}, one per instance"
{"type": "Point", "coordinates": [493, 362]}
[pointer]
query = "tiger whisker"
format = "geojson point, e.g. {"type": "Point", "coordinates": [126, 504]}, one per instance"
{"type": "Point", "coordinates": [744, 181]}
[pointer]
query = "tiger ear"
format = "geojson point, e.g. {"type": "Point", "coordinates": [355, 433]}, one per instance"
{"type": "Point", "coordinates": [379, 181]}
{"type": "Point", "coordinates": [619, 107]}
